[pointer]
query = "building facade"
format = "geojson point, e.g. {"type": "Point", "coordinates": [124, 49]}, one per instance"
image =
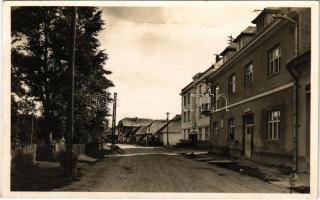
{"type": "Point", "coordinates": [170, 133]}
{"type": "Point", "coordinates": [259, 95]}
{"type": "Point", "coordinates": [128, 126]}
{"type": "Point", "coordinates": [195, 101]}
{"type": "Point", "coordinates": [265, 114]}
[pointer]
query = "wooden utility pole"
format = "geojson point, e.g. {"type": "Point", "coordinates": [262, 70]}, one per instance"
{"type": "Point", "coordinates": [113, 136]}
{"type": "Point", "coordinates": [168, 127]}
{"type": "Point", "coordinates": [70, 129]}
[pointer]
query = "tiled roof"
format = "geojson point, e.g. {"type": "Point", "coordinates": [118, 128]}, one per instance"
{"type": "Point", "coordinates": [250, 30]}
{"type": "Point", "coordinates": [231, 46]}
{"type": "Point", "coordinates": [174, 126]}
{"type": "Point", "coordinates": [269, 10]}
{"type": "Point", "coordinates": [141, 130]}
{"type": "Point", "coordinates": [156, 125]}
{"type": "Point", "coordinates": [135, 122]}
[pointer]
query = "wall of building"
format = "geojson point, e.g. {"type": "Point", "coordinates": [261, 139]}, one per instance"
{"type": "Point", "coordinates": [258, 57]}
{"type": "Point", "coordinates": [174, 138]}
{"type": "Point", "coordinates": [261, 147]}
{"type": "Point", "coordinates": [271, 151]}
{"type": "Point", "coordinates": [187, 124]}
{"type": "Point", "coordinates": [198, 123]}
{"type": "Point", "coordinates": [201, 121]}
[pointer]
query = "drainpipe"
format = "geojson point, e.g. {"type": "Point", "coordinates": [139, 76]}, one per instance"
{"type": "Point", "coordinates": [295, 94]}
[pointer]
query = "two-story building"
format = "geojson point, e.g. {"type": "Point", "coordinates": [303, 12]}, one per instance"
{"type": "Point", "coordinates": [195, 100]}
{"type": "Point", "coordinates": [260, 102]}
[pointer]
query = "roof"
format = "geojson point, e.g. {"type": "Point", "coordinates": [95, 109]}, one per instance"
{"type": "Point", "coordinates": [250, 30]}
{"type": "Point", "coordinates": [141, 130]}
{"type": "Point", "coordinates": [156, 125]}
{"type": "Point", "coordinates": [132, 132]}
{"type": "Point", "coordinates": [232, 46]}
{"type": "Point", "coordinates": [174, 126]}
{"type": "Point", "coordinates": [269, 10]}
{"type": "Point", "coordinates": [135, 122]}
{"type": "Point", "coordinates": [196, 76]}
{"type": "Point", "coordinates": [203, 75]}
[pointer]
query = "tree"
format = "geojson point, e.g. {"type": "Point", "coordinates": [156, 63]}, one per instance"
{"type": "Point", "coordinates": [40, 61]}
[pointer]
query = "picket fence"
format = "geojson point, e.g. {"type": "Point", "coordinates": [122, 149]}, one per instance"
{"type": "Point", "coordinates": [54, 152]}
{"type": "Point", "coordinates": [28, 154]}
{"type": "Point", "coordinates": [23, 155]}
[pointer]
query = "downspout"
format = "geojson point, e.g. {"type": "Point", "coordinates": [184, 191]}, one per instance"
{"type": "Point", "coordinates": [295, 102]}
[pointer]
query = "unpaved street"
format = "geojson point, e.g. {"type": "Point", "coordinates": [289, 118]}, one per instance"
{"type": "Point", "coordinates": [159, 170]}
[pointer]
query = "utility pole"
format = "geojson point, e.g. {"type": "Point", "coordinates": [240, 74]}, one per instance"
{"type": "Point", "coordinates": [70, 129]}
{"type": "Point", "coordinates": [168, 127]}
{"type": "Point", "coordinates": [113, 136]}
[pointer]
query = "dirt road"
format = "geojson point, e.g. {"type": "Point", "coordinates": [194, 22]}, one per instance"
{"type": "Point", "coordinates": [149, 170]}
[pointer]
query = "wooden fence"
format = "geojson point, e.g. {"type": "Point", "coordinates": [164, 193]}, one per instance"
{"type": "Point", "coordinates": [54, 152]}
{"type": "Point", "coordinates": [28, 154]}
{"type": "Point", "coordinates": [23, 155]}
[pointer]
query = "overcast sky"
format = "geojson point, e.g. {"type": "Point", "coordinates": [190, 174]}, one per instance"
{"type": "Point", "coordinates": [155, 51]}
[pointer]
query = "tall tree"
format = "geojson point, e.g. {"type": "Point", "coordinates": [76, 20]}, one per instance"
{"type": "Point", "coordinates": [40, 61]}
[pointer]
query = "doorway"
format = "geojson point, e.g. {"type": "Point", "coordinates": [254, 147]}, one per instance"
{"type": "Point", "coordinates": [248, 128]}
{"type": "Point", "coordinates": [193, 139]}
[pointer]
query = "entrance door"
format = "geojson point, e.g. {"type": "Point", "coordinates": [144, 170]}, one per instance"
{"type": "Point", "coordinates": [248, 125]}
{"type": "Point", "coordinates": [193, 139]}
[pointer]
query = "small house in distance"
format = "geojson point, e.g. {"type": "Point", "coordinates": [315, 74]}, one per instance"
{"type": "Point", "coordinates": [174, 132]}
{"type": "Point", "coordinates": [128, 126]}
{"type": "Point", "coordinates": [140, 134]}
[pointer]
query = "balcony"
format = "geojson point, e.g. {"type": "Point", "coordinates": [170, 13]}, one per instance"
{"type": "Point", "coordinates": [205, 109]}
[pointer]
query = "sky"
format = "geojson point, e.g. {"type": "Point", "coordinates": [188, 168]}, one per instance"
{"type": "Point", "coordinates": [155, 51]}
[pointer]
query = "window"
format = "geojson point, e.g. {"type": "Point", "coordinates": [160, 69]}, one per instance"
{"type": "Point", "coordinates": [232, 84]}
{"type": "Point", "coordinates": [215, 128]}
{"type": "Point", "coordinates": [215, 92]}
{"type": "Point", "coordinates": [248, 72]}
{"type": "Point", "coordinates": [188, 115]}
{"type": "Point", "coordinates": [184, 116]}
{"type": "Point", "coordinates": [231, 129]}
{"type": "Point", "coordinates": [184, 134]}
{"type": "Point", "coordinates": [274, 61]}
{"type": "Point", "coordinates": [206, 133]}
{"type": "Point", "coordinates": [200, 114]}
{"type": "Point", "coordinates": [273, 125]}
{"type": "Point", "coordinates": [241, 43]}
{"type": "Point", "coordinates": [200, 133]}
{"type": "Point", "coordinates": [188, 98]}
{"type": "Point", "coordinates": [184, 100]}
{"type": "Point", "coordinates": [261, 23]}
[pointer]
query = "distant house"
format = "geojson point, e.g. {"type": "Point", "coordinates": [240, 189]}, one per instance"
{"type": "Point", "coordinates": [128, 126]}
{"type": "Point", "coordinates": [174, 131]}
{"type": "Point", "coordinates": [140, 134]}
{"type": "Point", "coordinates": [153, 128]}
